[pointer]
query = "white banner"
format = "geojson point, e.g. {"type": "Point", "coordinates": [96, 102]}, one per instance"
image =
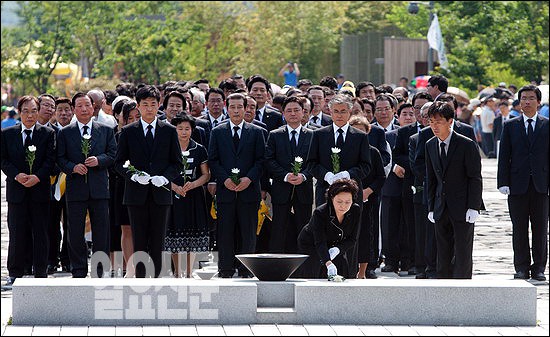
{"type": "Point", "coordinates": [435, 40]}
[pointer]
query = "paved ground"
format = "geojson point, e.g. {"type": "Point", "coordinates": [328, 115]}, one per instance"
{"type": "Point", "coordinates": [492, 261]}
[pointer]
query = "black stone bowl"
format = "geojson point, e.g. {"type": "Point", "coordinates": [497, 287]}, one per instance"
{"type": "Point", "coordinates": [272, 267]}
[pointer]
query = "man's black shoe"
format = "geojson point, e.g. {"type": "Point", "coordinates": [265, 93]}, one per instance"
{"type": "Point", "coordinates": [245, 274]}
{"type": "Point", "coordinates": [538, 276]}
{"type": "Point", "coordinates": [431, 274]}
{"type": "Point", "coordinates": [9, 281]}
{"type": "Point", "coordinates": [412, 271]}
{"type": "Point", "coordinates": [370, 274]}
{"type": "Point", "coordinates": [389, 268]}
{"type": "Point", "coordinates": [522, 275]}
{"type": "Point", "coordinates": [420, 275]}
{"type": "Point", "coordinates": [65, 269]}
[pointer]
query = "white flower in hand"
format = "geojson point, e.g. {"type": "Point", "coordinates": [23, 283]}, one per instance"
{"type": "Point", "coordinates": [87, 137]}
{"type": "Point", "coordinates": [185, 153]}
{"type": "Point", "coordinates": [336, 150]}
{"type": "Point", "coordinates": [126, 164]}
{"type": "Point", "coordinates": [235, 171]}
{"type": "Point", "coordinates": [298, 160]}
{"type": "Point", "coordinates": [32, 148]}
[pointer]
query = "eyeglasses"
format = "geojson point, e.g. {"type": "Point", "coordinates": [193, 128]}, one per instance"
{"type": "Point", "coordinates": [215, 100]}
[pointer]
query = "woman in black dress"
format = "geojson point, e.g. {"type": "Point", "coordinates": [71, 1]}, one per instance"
{"type": "Point", "coordinates": [188, 228]}
{"type": "Point", "coordinates": [331, 234]}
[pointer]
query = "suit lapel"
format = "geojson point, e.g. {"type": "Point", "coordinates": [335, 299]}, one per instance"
{"type": "Point", "coordinates": [95, 133]}
{"type": "Point", "coordinates": [303, 140]}
{"type": "Point", "coordinates": [286, 142]}
{"type": "Point", "coordinates": [244, 136]}
{"type": "Point", "coordinates": [538, 126]}
{"type": "Point", "coordinates": [434, 149]}
{"type": "Point", "coordinates": [450, 151]}
{"type": "Point", "coordinates": [138, 130]}
{"type": "Point", "coordinates": [19, 142]}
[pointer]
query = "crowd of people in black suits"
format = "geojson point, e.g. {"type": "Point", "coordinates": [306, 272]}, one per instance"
{"type": "Point", "coordinates": [183, 168]}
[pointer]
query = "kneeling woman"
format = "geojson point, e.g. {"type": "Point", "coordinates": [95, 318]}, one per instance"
{"type": "Point", "coordinates": [331, 233]}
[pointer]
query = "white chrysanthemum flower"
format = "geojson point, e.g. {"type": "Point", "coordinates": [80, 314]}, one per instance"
{"type": "Point", "coordinates": [336, 150]}
{"type": "Point", "coordinates": [298, 159]}
{"type": "Point", "coordinates": [126, 164]}
{"type": "Point", "coordinates": [235, 171]}
{"type": "Point", "coordinates": [32, 148]}
{"type": "Point", "coordinates": [185, 153]}
{"type": "Point", "coordinates": [87, 137]}
{"type": "Point", "coordinates": [413, 189]}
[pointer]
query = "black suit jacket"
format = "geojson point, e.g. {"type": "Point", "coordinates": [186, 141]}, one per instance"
{"type": "Point", "coordinates": [326, 120]}
{"type": "Point", "coordinates": [518, 160]}
{"type": "Point", "coordinates": [248, 158]}
{"type": "Point", "coordinates": [69, 154]}
{"type": "Point", "coordinates": [354, 157]}
{"type": "Point", "coordinates": [419, 166]}
{"type": "Point", "coordinates": [272, 118]}
{"type": "Point", "coordinates": [418, 182]}
{"type": "Point", "coordinates": [279, 159]}
{"type": "Point", "coordinates": [376, 178]}
{"type": "Point", "coordinates": [393, 186]}
{"type": "Point", "coordinates": [163, 160]}
{"type": "Point", "coordinates": [455, 184]}
{"type": "Point", "coordinates": [377, 138]}
{"type": "Point", "coordinates": [14, 162]}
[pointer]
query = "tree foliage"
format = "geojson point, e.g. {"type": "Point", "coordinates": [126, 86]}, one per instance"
{"type": "Point", "coordinates": [156, 41]}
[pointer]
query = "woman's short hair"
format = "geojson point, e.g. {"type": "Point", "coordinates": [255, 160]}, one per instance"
{"type": "Point", "coordinates": [180, 118]}
{"type": "Point", "coordinates": [342, 185]}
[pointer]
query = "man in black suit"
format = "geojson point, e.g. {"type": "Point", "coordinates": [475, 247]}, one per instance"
{"type": "Point", "coordinates": [419, 167]}
{"type": "Point", "coordinates": [354, 155]}
{"type": "Point", "coordinates": [87, 186]}
{"type": "Point", "coordinates": [317, 117]}
{"type": "Point", "coordinates": [27, 188]}
{"type": "Point", "coordinates": [236, 150]}
{"type": "Point", "coordinates": [291, 194]}
{"type": "Point", "coordinates": [454, 187]}
{"type": "Point", "coordinates": [259, 88]}
{"type": "Point", "coordinates": [523, 176]}
{"type": "Point", "coordinates": [152, 147]}
{"type": "Point", "coordinates": [498, 124]}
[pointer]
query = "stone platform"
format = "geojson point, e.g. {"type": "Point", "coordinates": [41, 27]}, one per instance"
{"type": "Point", "coordinates": [168, 301]}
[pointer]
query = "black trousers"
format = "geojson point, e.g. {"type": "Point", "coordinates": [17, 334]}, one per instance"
{"type": "Point", "coordinates": [390, 221]}
{"type": "Point", "coordinates": [236, 217]}
{"type": "Point", "coordinates": [420, 223]}
{"type": "Point", "coordinates": [27, 216]}
{"type": "Point", "coordinates": [524, 208]}
{"type": "Point", "coordinates": [99, 219]}
{"type": "Point", "coordinates": [408, 241]}
{"type": "Point", "coordinates": [55, 253]}
{"type": "Point", "coordinates": [454, 238]}
{"type": "Point", "coordinates": [149, 222]}
{"type": "Point", "coordinates": [368, 244]}
{"type": "Point", "coordinates": [286, 226]}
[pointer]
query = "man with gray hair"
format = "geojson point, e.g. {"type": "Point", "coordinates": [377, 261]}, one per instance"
{"type": "Point", "coordinates": [98, 99]}
{"type": "Point", "coordinates": [198, 103]}
{"type": "Point", "coordinates": [348, 145]}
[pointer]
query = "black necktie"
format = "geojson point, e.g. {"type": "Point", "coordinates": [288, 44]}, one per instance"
{"type": "Point", "coordinates": [443, 154]}
{"type": "Point", "coordinates": [149, 136]}
{"type": "Point", "coordinates": [293, 145]}
{"type": "Point", "coordinates": [28, 139]}
{"type": "Point", "coordinates": [85, 132]}
{"type": "Point", "coordinates": [530, 131]}
{"type": "Point", "coordinates": [236, 137]}
{"type": "Point", "coordinates": [215, 123]}
{"type": "Point", "coordinates": [315, 119]}
{"type": "Point", "coordinates": [258, 116]}
{"type": "Point", "coordinates": [340, 139]}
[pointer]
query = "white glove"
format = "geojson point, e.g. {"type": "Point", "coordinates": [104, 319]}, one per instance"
{"type": "Point", "coordinates": [342, 175]}
{"type": "Point", "coordinates": [333, 252]}
{"type": "Point", "coordinates": [504, 190]}
{"type": "Point", "coordinates": [158, 181]}
{"type": "Point", "coordinates": [141, 179]}
{"type": "Point", "coordinates": [431, 217]}
{"type": "Point", "coordinates": [331, 270]}
{"type": "Point", "coordinates": [471, 215]}
{"type": "Point", "coordinates": [329, 177]}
